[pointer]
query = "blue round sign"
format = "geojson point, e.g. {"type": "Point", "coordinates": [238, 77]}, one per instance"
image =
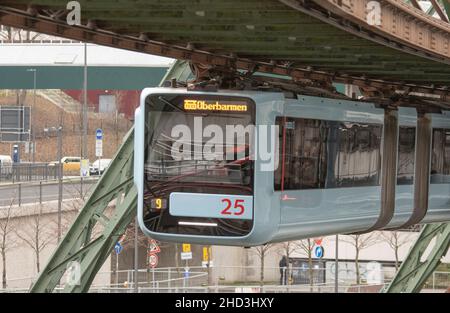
{"type": "Point", "coordinates": [318, 252]}
{"type": "Point", "coordinates": [99, 134]}
{"type": "Point", "coordinates": [118, 248]}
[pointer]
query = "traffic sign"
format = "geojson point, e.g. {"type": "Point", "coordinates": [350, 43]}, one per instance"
{"type": "Point", "coordinates": [318, 252]}
{"type": "Point", "coordinates": [153, 260]}
{"type": "Point", "coordinates": [99, 142]}
{"type": "Point", "coordinates": [99, 134]}
{"type": "Point", "coordinates": [153, 247]}
{"type": "Point", "coordinates": [98, 148]}
{"type": "Point", "coordinates": [186, 255]}
{"type": "Point", "coordinates": [186, 247]}
{"type": "Point", "coordinates": [118, 248]}
{"type": "Point", "coordinates": [206, 254]}
{"type": "Point", "coordinates": [84, 168]}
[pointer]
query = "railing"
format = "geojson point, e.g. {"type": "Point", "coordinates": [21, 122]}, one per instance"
{"type": "Point", "coordinates": [246, 279]}
{"type": "Point", "coordinates": [25, 172]}
{"type": "Point", "coordinates": [44, 191]}
{"type": "Point", "coordinates": [174, 280]}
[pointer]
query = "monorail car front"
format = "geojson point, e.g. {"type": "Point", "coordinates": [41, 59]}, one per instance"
{"type": "Point", "coordinates": [247, 168]}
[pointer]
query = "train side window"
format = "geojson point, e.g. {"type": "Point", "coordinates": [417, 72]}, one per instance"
{"type": "Point", "coordinates": [440, 158]}
{"type": "Point", "coordinates": [406, 155]}
{"type": "Point", "coordinates": [300, 166]}
{"type": "Point", "coordinates": [358, 160]}
{"type": "Point", "coordinates": [317, 154]}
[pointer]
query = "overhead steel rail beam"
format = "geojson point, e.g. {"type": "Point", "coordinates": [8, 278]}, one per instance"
{"type": "Point", "coordinates": [321, 40]}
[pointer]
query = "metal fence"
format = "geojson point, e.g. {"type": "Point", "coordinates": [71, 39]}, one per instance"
{"type": "Point", "coordinates": [439, 280]}
{"type": "Point", "coordinates": [246, 279]}
{"type": "Point", "coordinates": [175, 280]}
{"type": "Point", "coordinates": [43, 191]}
{"type": "Point", "coordinates": [200, 280]}
{"type": "Point", "coordinates": [24, 172]}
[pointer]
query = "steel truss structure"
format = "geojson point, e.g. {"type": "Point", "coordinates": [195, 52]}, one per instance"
{"type": "Point", "coordinates": [423, 258]}
{"type": "Point", "coordinates": [102, 220]}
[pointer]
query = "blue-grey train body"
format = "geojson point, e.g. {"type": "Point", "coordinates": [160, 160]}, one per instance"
{"type": "Point", "coordinates": [298, 214]}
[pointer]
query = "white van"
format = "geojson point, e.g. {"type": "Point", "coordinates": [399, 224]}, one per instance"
{"type": "Point", "coordinates": [5, 165]}
{"type": "Point", "coordinates": [99, 166]}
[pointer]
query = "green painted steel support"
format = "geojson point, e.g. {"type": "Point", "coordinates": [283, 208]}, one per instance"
{"type": "Point", "coordinates": [103, 219]}
{"type": "Point", "coordinates": [446, 4]}
{"type": "Point", "coordinates": [419, 265]}
{"type": "Point", "coordinates": [180, 70]}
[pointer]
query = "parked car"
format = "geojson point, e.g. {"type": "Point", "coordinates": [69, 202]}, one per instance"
{"type": "Point", "coordinates": [6, 165]}
{"type": "Point", "coordinates": [70, 164]}
{"type": "Point", "coordinates": [99, 166]}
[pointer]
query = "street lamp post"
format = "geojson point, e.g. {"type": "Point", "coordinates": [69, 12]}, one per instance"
{"type": "Point", "coordinates": [85, 96]}
{"type": "Point", "coordinates": [33, 70]}
{"type": "Point", "coordinates": [336, 266]}
{"type": "Point", "coordinates": [84, 153]}
{"type": "Point", "coordinates": [60, 174]}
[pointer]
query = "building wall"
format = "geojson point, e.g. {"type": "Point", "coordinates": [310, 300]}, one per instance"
{"type": "Point", "coordinates": [72, 77]}
{"type": "Point", "coordinates": [126, 100]}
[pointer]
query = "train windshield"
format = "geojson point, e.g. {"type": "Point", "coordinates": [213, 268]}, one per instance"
{"type": "Point", "coordinates": [198, 158]}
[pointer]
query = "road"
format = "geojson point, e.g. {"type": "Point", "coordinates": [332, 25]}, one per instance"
{"type": "Point", "coordinates": [30, 192]}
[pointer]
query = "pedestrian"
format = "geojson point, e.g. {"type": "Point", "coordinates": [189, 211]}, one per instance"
{"type": "Point", "coordinates": [283, 265]}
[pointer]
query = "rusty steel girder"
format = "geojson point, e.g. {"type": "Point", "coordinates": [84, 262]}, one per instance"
{"type": "Point", "coordinates": [404, 28]}
{"type": "Point", "coordinates": [399, 21]}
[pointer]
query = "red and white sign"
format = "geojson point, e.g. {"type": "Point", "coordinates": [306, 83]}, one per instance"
{"type": "Point", "coordinates": [153, 260]}
{"type": "Point", "coordinates": [153, 247]}
{"type": "Point", "coordinates": [318, 241]}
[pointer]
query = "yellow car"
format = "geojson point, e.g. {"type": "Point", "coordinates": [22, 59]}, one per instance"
{"type": "Point", "coordinates": [71, 165]}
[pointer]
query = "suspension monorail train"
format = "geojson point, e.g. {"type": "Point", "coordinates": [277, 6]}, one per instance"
{"type": "Point", "coordinates": [249, 167]}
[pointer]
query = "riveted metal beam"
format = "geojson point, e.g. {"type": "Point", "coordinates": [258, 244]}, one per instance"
{"type": "Point", "coordinates": [418, 266]}
{"type": "Point", "coordinates": [104, 211]}
{"type": "Point", "coordinates": [44, 24]}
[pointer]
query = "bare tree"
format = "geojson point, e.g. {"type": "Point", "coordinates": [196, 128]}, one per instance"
{"type": "Point", "coordinates": [307, 246]}
{"type": "Point", "coordinates": [360, 242]}
{"type": "Point", "coordinates": [7, 242]}
{"type": "Point", "coordinates": [261, 252]}
{"type": "Point", "coordinates": [120, 97]}
{"type": "Point", "coordinates": [396, 240]}
{"type": "Point", "coordinates": [35, 233]}
{"type": "Point", "coordinates": [128, 237]}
